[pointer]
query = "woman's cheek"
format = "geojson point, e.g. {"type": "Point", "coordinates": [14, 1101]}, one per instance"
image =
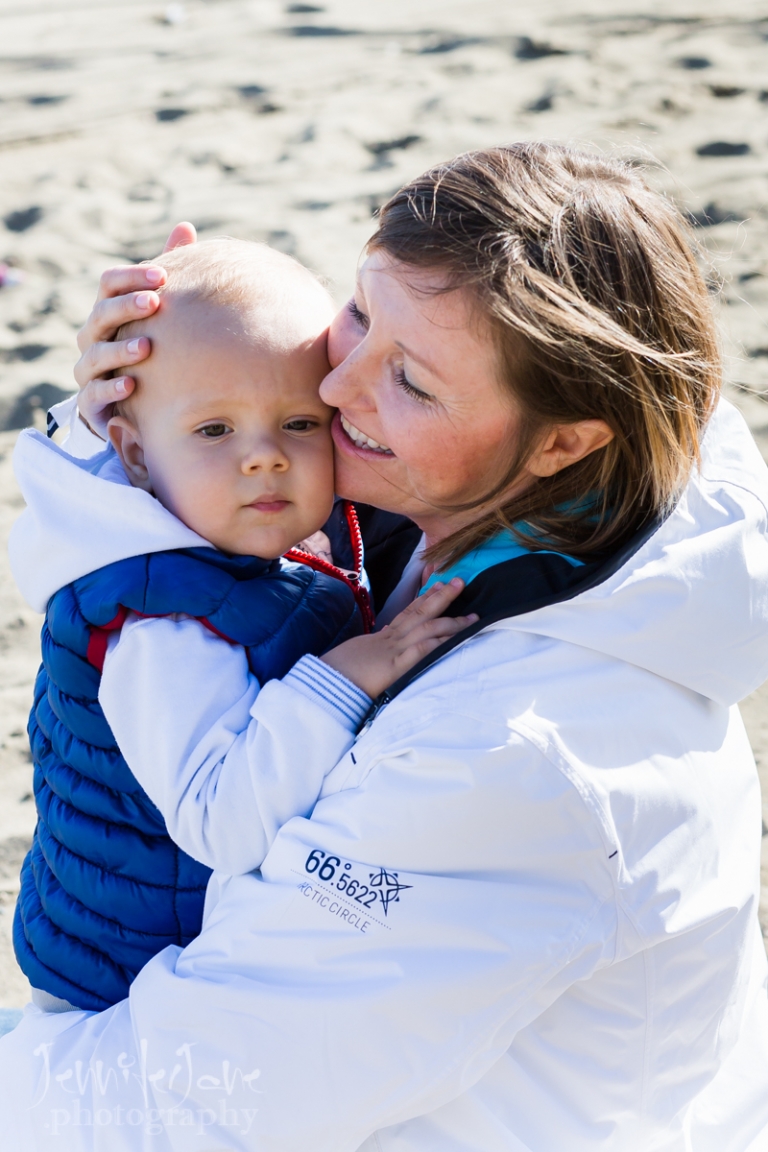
{"type": "Point", "coordinates": [414, 439]}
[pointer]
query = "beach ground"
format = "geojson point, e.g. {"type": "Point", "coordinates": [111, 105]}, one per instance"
{"type": "Point", "coordinates": [291, 123]}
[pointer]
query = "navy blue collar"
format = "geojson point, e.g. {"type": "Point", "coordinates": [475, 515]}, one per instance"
{"type": "Point", "coordinates": [516, 586]}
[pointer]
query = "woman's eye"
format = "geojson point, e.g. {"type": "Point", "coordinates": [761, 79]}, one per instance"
{"type": "Point", "coordinates": [411, 389]}
{"type": "Point", "coordinates": [358, 316]}
{"type": "Point", "coordinates": [299, 425]}
{"type": "Point", "coordinates": [214, 431]}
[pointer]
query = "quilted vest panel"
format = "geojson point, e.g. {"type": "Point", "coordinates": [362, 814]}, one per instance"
{"type": "Point", "coordinates": [104, 888]}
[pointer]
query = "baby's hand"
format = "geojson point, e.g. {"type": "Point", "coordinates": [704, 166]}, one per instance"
{"type": "Point", "coordinates": [318, 545]}
{"type": "Point", "coordinates": [376, 661]}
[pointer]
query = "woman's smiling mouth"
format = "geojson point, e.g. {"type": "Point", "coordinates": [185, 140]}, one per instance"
{"type": "Point", "coordinates": [360, 440]}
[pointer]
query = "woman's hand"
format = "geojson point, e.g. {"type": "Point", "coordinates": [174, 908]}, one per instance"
{"type": "Point", "coordinates": [125, 294]}
{"type": "Point", "coordinates": [376, 661]}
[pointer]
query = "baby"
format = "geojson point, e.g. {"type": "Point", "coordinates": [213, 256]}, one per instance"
{"type": "Point", "coordinates": [227, 451]}
{"type": "Point", "coordinates": [226, 426]}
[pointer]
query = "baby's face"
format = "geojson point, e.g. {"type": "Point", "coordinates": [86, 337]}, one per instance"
{"type": "Point", "coordinates": [231, 434]}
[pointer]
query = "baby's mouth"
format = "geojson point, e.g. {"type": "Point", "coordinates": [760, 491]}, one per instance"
{"type": "Point", "coordinates": [360, 440]}
{"type": "Point", "coordinates": [269, 504]}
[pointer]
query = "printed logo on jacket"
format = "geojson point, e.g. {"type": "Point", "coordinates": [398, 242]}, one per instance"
{"type": "Point", "coordinates": [352, 892]}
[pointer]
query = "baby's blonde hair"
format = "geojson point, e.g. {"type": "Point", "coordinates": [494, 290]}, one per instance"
{"type": "Point", "coordinates": [228, 272]}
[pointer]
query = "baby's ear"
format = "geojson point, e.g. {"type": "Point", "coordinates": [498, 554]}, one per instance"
{"type": "Point", "coordinates": [126, 441]}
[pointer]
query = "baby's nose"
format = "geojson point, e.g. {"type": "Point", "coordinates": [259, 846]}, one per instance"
{"type": "Point", "coordinates": [266, 456]}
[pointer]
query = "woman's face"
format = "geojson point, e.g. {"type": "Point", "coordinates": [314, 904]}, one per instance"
{"type": "Point", "coordinates": [416, 374]}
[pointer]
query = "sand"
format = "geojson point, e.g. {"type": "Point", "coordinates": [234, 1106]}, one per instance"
{"type": "Point", "coordinates": [290, 124]}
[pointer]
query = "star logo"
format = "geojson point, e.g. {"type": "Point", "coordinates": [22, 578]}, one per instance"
{"type": "Point", "coordinates": [388, 887]}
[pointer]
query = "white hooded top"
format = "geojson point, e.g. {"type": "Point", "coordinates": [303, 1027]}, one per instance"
{"type": "Point", "coordinates": [521, 917]}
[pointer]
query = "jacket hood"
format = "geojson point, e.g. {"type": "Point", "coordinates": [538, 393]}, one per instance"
{"type": "Point", "coordinates": [691, 604]}
{"type": "Point", "coordinates": [47, 550]}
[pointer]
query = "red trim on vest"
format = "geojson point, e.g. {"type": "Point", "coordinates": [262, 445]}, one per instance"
{"type": "Point", "coordinates": [351, 579]}
{"type": "Point", "coordinates": [99, 638]}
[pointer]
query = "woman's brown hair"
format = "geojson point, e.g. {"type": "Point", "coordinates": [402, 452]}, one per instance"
{"type": "Point", "coordinates": [590, 287]}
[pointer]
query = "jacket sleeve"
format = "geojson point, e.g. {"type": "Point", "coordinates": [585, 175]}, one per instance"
{"type": "Point", "coordinates": [225, 762]}
{"type": "Point", "coordinates": [310, 1015]}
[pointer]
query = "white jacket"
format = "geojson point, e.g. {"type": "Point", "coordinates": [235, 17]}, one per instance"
{"type": "Point", "coordinates": [522, 915]}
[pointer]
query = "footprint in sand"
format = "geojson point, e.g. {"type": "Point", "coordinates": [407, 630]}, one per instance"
{"type": "Point", "coordinates": [42, 101]}
{"type": "Point", "coordinates": [712, 215]}
{"type": "Point", "coordinates": [37, 399]}
{"type": "Point", "coordinates": [724, 148]}
{"type": "Point", "coordinates": [448, 44]}
{"type": "Point", "coordinates": [319, 30]}
{"type": "Point", "coordinates": [694, 63]}
{"type": "Point", "coordinates": [528, 49]}
{"type": "Point", "coordinates": [382, 148]}
{"type": "Point", "coordinates": [543, 104]}
{"type": "Point", "coordinates": [23, 352]}
{"type": "Point", "coordinates": [167, 115]}
{"type": "Point", "coordinates": [23, 219]}
{"type": "Point", "coordinates": [254, 94]}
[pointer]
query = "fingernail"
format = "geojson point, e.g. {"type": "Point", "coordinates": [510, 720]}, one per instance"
{"type": "Point", "coordinates": [154, 275]}
{"type": "Point", "coordinates": [133, 347]}
{"type": "Point", "coordinates": [143, 300]}
{"type": "Point", "coordinates": [120, 387]}
{"type": "Point", "coordinates": [457, 582]}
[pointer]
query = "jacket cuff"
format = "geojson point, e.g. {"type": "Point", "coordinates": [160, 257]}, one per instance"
{"type": "Point", "coordinates": [326, 687]}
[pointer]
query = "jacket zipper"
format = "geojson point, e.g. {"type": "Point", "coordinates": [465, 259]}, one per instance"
{"type": "Point", "coordinates": [353, 579]}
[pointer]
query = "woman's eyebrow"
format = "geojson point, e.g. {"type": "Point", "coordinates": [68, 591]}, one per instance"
{"type": "Point", "coordinates": [420, 360]}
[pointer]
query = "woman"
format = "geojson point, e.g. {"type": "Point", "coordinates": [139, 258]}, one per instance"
{"type": "Point", "coordinates": [522, 914]}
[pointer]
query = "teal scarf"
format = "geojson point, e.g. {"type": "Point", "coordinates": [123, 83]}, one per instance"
{"type": "Point", "coordinates": [503, 546]}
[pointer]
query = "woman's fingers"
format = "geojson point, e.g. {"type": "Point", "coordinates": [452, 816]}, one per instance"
{"type": "Point", "coordinates": [126, 293]}
{"type": "Point", "coordinates": [112, 311]}
{"type": "Point", "coordinates": [97, 400]}
{"type": "Point", "coordinates": [104, 357]}
{"type": "Point", "coordinates": [184, 233]}
{"type": "Point", "coordinates": [129, 278]}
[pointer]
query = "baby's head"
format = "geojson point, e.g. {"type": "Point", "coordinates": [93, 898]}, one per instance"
{"type": "Point", "coordinates": [226, 427]}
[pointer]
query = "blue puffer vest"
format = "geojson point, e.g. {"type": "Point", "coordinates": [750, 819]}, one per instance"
{"type": "Point", "coordinates": [104, 888]}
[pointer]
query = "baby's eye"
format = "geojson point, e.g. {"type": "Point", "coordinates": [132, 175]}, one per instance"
{"type": "Point", "coordinates": [300, 425]}
{"type": "Point", "coordinates": [214, 431]}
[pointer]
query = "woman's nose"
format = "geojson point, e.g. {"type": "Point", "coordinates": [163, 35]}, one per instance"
{"type": "Point", "coordinates": [349, 385]}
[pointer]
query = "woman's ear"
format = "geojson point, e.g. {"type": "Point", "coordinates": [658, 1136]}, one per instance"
{"type": "Point", "coordinates": [126, 441]}
{"type": "Point", "coordinates": [566, 444]}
